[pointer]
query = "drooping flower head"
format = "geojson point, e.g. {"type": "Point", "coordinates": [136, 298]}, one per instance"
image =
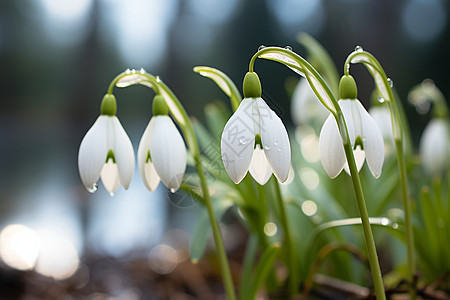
{"type": "Point", "coordinates": [106, 151]}
{"type": "Point", "coordinates": [162, 152]}
{"type": "Point", "coordinates": [365, 136]}
{"type": "Point", "coordinates": [255, 139]}
{"type": "Point", "coordinates": [435, 146]}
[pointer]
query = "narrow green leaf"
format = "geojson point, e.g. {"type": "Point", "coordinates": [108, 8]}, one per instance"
{"type": "Point", "coordinates": [248, 262]}
{"type": "Point", "coordinates": [203, 229]}
{"type": "Point", "coordinates": [262, 270]}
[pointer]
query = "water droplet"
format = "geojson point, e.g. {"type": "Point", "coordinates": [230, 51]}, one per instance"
{"type": "Point", "coordinates": [172, 190]}
{"type": "Point", "coordinates": [261, 47]}
{"type": "Point", "coordinates": [93, 189]}
{"type": "Point", "coordinates": [158, 79]}
{"type": "Point", "coordinates": [381, 99]}
{"type": "Point", "coordinates": [111, 194]}
{"type": "Point", "coordinates": [267, 147]}
{"type": "Point", "coordinates": [275, 143]}
{"type": "Point", "coordinates": [243, 141]}
{"type": "Point", "coordinates": [242, 157]}
{"type": "Point", "coordinates": [279, 149]}
{"type": "Point", "coordinates": [142, 71]}
{"type": "Point", "coordinates": [133, 71]}
{"type": "Point", "coordinates": [359, 49]}
{"type": "Point", "coordinates": [391, 82]}
{"type": "Point", "coordinates": [288, 48]}
{"type": "Point", "coordinates": [128, 71]}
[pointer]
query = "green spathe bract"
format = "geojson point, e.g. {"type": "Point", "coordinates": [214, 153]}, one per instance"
{"type": "Point", "coordinates": [109, 105]}
{"type": "Point", "coordinates": [252, 85]}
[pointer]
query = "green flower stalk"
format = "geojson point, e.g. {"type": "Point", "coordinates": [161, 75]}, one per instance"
{"type": "Point", "coordinates": [325, 95]}
{"type": "Point", "coordinates": [384, 87]}
{"type": "Point", "coordinates": [173, 105]}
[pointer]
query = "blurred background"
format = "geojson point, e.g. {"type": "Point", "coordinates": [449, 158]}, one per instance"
{"type": "Point", "coordinates": [57, 58]}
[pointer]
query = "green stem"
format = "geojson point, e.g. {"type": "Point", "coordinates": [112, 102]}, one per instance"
{"type": "Point", "coordinates": [291, 262]}
{"type": "Point", "coordinates": [224, 265]}
{"type": "Point", "coordinates": [408, 219]}
{"type": "Point", "coordinates": [370, 242]}
{"type": "Point", "coordinates": [185, 123]}
{"type": "Point", "coordinates": [383, 84]}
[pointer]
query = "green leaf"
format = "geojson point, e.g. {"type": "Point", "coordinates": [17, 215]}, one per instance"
{"type": "Point", "coordinates": [262, 270]}
{"type": "Point", "coordinates": [203, 229]}
{"type": "Point", "coordinates": [224, 82]}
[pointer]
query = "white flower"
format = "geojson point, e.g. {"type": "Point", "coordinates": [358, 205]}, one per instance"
{"type": "Point", "coordinates": [435, 146]}
{"type": "Point", "coordinates": [272, 154]}
{"type": "Point", "coordinates": [364, 134]}
{"type": "Point", "coordinates": [162, 154]}
{"type": "Point", "coordinates": [106, 152]}
{"type": "Point", "coordinates": [305, 107]}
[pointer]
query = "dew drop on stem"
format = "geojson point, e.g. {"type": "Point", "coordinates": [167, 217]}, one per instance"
{"type": "Point", "coordinates": [359, 49]}
{"type": "Point", "coordinates": [261, 47]}
{"type": "Point", "coordinates": [288, 48]}
{"type": "Point", "coordinates": [391, 83]}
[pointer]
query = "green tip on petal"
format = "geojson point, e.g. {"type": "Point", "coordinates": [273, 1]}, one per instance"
{"type": "Point", "coordinates": [347, 88]}
{"type": "Point", "coordinates": [160, 107]}
{"type": "Point", "coordinates": [109, 105]}
{"type": "Point", "coordinates": [252, 85]}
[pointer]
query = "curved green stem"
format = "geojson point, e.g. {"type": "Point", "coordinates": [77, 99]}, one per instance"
{"type": "Point", "coordinates": [385, 90]}
{"type": "Point", "coordinates": [370, 242]}
{"type": "Point", "coordinates": [323, 92]}
{"type": "Point", "coordinates": [291, 263]}
{"type": "Point", "coordinates": [179, 113]}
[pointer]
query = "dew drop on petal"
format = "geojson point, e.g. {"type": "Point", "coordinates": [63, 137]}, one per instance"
{"type": "Point", "coordinates": [391, 82]}
{"type": "Point", "coordinates": [288, 48]}
{"type": "Point", "coordinates": [275, 143]}
{"type": "Point", "coordinates": [359, 49]}
{"type": "Point", "coordinates": [93, 189]}
{"type": "Point", "coordinates": [381, 99]}
{"type": "Point", "coordinates": [261, 47]}
{"type": "Point", "coordinates": [242, 157]}
{"type": "Point", "coordinates": [279, 149]}
{"type": "Point", "coordinates": [172, 190]}
{"type": "Point", "coordinates": [267, 147]}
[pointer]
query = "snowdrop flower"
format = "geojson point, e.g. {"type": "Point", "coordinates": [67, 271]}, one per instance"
{"type": "Point", "coordinates": [365, 136]}
{"type": "Point", "coordinates": [435, 146]}
{"type": "Point", "coordinates": [161, 153]}
{"type": "Point", "coordinates": [255, 139]}
{"type": "Point", "coordinates": [106, 151]}
{"type": "Point", "coordinates": [305, 107]}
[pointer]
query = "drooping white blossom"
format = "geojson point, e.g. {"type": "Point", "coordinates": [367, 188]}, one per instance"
{"type": "Point", "coordinates": [365, 139]}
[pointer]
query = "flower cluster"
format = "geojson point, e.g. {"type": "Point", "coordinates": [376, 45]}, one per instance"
{"type": "Point", "coordinates": [106, 151]}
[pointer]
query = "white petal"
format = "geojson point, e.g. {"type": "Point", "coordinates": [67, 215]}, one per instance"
{"type": "Point", "coordinates": [146, 168]}
{"type": "Point", "coordinates": [92, 153]}
{"type": "Point", "coordinates": [123, 152]}
{"type": "Point", "coordinates": [275, 141]}
{"type": "Point", "coordinates": [259, 166]}
{"type": "Point", "coordinates": [435, 146]}
{"type": "Point", "coordinates": [238, 139]}
{"type": "Point", "coordinates": [331, 149]}
{"type": "Point", "coordinates": [382, 116]}
{"type": "Point", "coordinates": [372, 141]}
{"type": "Point", "coordinates": [360, 156]}
{"type": "Point", "coordinates": [168, 152]}
{"type": "Point", "coordinates": [352, 118]}
{"type": "Point", "coordinates": [110, 176]}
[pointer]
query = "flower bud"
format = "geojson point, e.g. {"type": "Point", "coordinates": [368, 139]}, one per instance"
{"type": "Point", "coordinates": [160, 107]}
{"type": "Point", "coordinates": [109, 105]}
